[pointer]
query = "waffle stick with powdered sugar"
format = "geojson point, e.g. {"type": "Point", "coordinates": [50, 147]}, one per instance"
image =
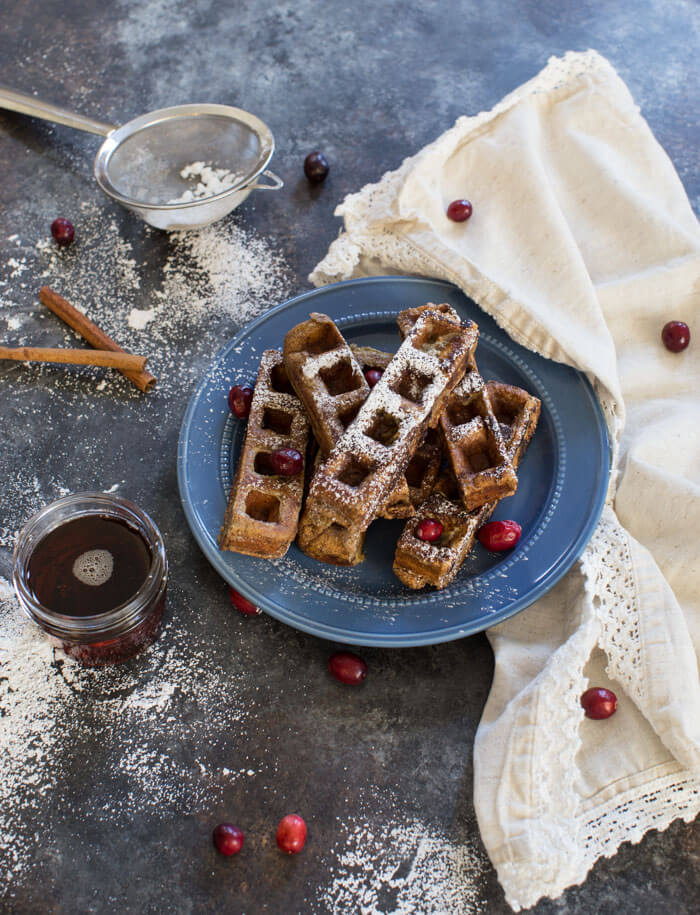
{"type": "Point", "coordinates": [330, 382]}
{"type": "Point", "coordinates": [417, 562]}
{"type": "Point", "coordinates": [473, 439]}
{"type": "Point", "coordinates": [342, 546]}
{"type": "Point", "coordinates": [422, 469]}
{"type": "Point", "coordinates": [328, 542]}
{"type": "Point", "coordinates": [374, 452]}
{"type": "Point", "coordinates": [263, 507]}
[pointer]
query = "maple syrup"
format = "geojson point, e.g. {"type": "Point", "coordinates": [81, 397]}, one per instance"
{"type": "Point", "coordinates": [91, 570]}
{"type": "Point", "coordinates": [89, 565]}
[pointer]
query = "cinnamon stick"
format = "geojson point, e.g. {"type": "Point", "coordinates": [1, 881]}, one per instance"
{"type": "Point", "coordinates": [143, 380]}
{"type": "Point", "coordinates": [125, 362]}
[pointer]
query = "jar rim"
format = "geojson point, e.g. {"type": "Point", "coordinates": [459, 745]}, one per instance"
{"type": "Point", "coordinates": [111, 623]}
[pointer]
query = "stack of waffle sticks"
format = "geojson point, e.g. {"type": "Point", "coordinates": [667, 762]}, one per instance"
{"type": "Point", "coordinates": [431, 440]}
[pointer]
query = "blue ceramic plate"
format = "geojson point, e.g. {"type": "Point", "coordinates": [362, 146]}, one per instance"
{"type": "Point", "coordinates": [562, 483]}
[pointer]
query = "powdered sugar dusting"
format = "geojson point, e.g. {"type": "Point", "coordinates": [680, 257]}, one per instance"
{"type": "Point", "coordinates": [224, 269]}
{"type": "Point", "coordinates": [51, 706]}
{"type": "Point", "coordinates": [405, 868]}
{"type": "Point", "coordinates": [207, 181]}
{"type": "Point", "coordinates": [140, 317]}
{"type": "Point", "coordinates": [206, 284]}
{"type": "Point", "coordinates": [21, 500]}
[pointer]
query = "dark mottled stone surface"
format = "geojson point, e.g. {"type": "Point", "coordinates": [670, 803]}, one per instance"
{"type": "Point", "coordinates": [369, 83]}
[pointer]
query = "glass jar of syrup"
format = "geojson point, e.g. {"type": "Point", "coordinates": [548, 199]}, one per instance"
{"type": "Point", "coordinates": [91, 570]}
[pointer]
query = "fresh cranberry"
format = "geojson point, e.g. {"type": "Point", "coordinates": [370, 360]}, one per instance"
{"type": "Point", "coordinates": [62, 231]}
{"type": "Point", "coordinates": [599, 702]}
{"type": "Point", "coordinates": [242, 604]}
{"type": "Point", "coordinates": [373, 376]}
{"type": "Point", "coordinates": [287, 462]}
{"type": "Point", "coordinates": [429, 529]}
{"type": "Point", "coordinates": [240, 398]}
{"type": "Point", "coordinates": [499, 535]}
{"type": "Point", "coordinates": [459, 210]}
{"type": "Point", "coordinates": [291, 834]}
{"type": "Point", "coordinates": [676, 336]}
{"type": "Point", "coordinates": [316, 167]}
{"type": "Point", "coordinates": [228, 839]}
{"type": "Point", "coordinates": [347, 667]}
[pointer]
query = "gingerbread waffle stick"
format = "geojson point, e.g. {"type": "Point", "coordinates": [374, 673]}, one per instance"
{"type": "Point", "coordinates": [473, 438]}
{"type": "Point", "coordinates": [263, 507]}
{"type": "Point", "coordinates": [372, 455]}
{"type": "Point", "coordinates": [340, 545]}
{"type": "Point", "coordinates": [417, 562]}
{"type": "Point", "coordinates": [328, 379]}
{"type": "Point", "coordinates": [143, 380]}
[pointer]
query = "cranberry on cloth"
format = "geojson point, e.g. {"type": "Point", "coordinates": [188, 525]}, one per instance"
{"type": "Point", "coordinates": [584, 247]}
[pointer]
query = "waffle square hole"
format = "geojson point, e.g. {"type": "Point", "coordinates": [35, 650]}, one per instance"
{"type": "Point", "coordinates": [506, 413]}
{"type": "Point", "coordinates": [262, 507]}
{"type": "Point", "coordinates": [412, 385]}
{"type": "Point", "coordinates": [460, 411]}
{"type": "Point", "coordinates": [323, 338]}
{"type": "Point", "coordinates": [347, 416]}
{"type": "Point", "coordinates": [261, 464]}
{"type": "Point", "coordinates": [441, 345]}
{"type": "Point", "coordinates": [450, 534]}
{"type": "Point", "coordinates": [449, 487]}
{"type": "Point", "coordinates": [278, 421]}
{"type": "Point", "coordinates": [416, 470]}
{"type": "Point", "coordinates": [354, 472]}
{"type": "Point", "coordinates": [384, 428]}
{"type": "Point", "coordinates": [279, 380]}
{"type": "Point", "coordinates": [479, 454]}
{"type": "Point", "coordinates": [340, 378]}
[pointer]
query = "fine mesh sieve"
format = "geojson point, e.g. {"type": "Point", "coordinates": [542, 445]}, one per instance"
{"type": "Point", "coordinates": [139, 163]}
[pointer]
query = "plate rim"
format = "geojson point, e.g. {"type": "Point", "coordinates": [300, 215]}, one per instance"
{"type": "Point", "coordinates": [338, 633]}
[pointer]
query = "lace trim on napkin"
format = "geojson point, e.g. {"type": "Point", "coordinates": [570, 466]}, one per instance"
{"type": "Point", "coordinates": [577, 840]}
{"type": "Point", "coordinates": [571, 841]}
{"type": "Point", "coordinates": [673, 796]}
{"type": "Point", "coordinates": [610, 584]}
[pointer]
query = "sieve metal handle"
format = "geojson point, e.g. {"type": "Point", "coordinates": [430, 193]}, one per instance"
{"type": "Point", "coordinates": [28, 104]}
{"type": "Point", "coordinates": [276, 185]}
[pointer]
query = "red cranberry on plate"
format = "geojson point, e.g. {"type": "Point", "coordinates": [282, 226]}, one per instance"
{"type": "Point", "coordinates": [62, 231]}
{"type": "Point", "coordinates": [372, 376]}
{"type": "Point", "coordinates": [599, 702]}
{"type": "Point", "coordinates": [316, 167]}
{"type": "Point", "coordinates": [347, 667]}
{"type": "Point", "coordinates": [499, 535]}
{"type": "Point", "coordinates": [291, 834]}
{"type": "Point", "coordinates": [459, 210]}
{"type": "Point", "coordinates": [429, 529]}
{"type": "Point", "coordinates": [228, 839]}
{"type": "Point", "coordinates": [287, 462]}
{"type": "Point", "coordinates": [242, 604]}
{"type": "Point", "coordinates": [239, 400]}
{"type": "Point", "coordinates": [675, 336]}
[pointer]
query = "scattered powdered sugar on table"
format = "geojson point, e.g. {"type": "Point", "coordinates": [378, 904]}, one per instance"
{"type": "Point", "coordinates": [140, 317]}
{"type": "Point", "coordinates": [222, 269]}
{"type": "Point", "coordinates": [207, 284]}
{"type": "Point", "coordinates": [19, 501]}
{"type": "Point", "coordinates": [405, 868]}
{"type": "Point", "coordinates": [52, 711]}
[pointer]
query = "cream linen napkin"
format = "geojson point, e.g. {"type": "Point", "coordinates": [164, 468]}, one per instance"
{"type": "Point", "coordinates": [582, 244]}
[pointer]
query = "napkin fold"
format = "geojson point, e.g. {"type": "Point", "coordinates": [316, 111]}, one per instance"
{"type": "Point", "coordinates": [582, 245]}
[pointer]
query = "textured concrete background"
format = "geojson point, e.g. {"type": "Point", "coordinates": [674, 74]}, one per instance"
{"type": "Point", "coordinates": [369, 83]}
